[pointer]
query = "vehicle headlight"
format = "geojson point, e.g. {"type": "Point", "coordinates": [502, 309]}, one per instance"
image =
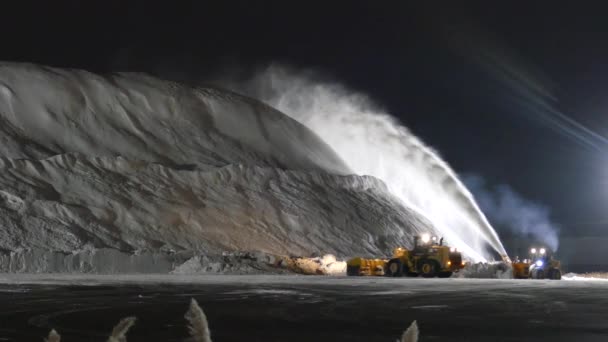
{"type": "Point", "coordinates": [539, 263]}
{"type": "Point", "coordinates": [425, 238]}
{"type": "Point", "coordinates": [533, 251]}
{"type": "Point", "coordinates": [542, 251]}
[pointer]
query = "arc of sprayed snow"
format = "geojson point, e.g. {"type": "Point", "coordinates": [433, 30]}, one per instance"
{"type": "Point", "coordinates": [411, 334]}
{"type": "Point", "coordinates": [120, 330]}
{"type": "Point", "coordinates": [199, 328]}
{"type": "Point", "coordinates": [53, 337]}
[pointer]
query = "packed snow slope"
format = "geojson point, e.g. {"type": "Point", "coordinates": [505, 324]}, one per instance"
{"type": "Point", "coordinates": [48, 111]}
{"type": "Point", "coordinates": [135, 166]}
{"type": "Point", "coordinates": [70, 201]}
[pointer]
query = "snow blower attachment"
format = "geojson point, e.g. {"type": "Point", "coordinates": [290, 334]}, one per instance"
{"type": "Point", "coordinates": [538, 265]}
{"type": "Point", "coordinates": [429, 258]}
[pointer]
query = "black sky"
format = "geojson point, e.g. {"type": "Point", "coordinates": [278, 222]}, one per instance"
{"type": "Point", "coordinates": [421, 62]}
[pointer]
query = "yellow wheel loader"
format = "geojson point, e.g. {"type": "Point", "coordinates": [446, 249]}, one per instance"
{"type": "Point", "coordinates": [429, 258]}
{"type": "Point", "coordinates": [539, 265]}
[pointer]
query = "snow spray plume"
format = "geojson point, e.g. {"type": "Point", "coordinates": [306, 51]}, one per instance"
{"type": "Point", "coordinates": [373, 143]}
{"type": "Point", "coordinates": [508, 209]}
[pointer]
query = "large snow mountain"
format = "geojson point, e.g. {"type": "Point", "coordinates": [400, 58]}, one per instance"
{"type": "Point", "coordinates": [132, 164]}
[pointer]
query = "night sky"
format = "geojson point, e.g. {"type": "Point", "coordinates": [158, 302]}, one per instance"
{"type": "Point", "coordinates": [427, 65]}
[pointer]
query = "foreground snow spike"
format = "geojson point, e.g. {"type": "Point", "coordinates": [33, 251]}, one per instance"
{"type": "Point", "coordinates": [53, 337]}
{"type": "Point", "coordinates": [199, 328]}
{"type": "Point", "coordinates": [120, 330]}
{"type": "Point", "coordinates": [411, 334]}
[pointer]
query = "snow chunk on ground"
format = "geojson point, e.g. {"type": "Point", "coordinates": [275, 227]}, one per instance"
{"type": "Point", "coordinates": [595, 276]}
{"type": "Point", "coordinates": [261, 263]}
{"type": "Point", "coordinates": [327, 265]}
{"type": "Point", "coordinates": [499, 270]}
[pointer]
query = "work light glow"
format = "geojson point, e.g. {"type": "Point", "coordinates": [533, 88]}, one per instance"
{"type": "Point", "coordinates": [425, 238]}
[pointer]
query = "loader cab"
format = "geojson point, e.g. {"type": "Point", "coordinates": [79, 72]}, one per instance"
{"type": "Point", "coordinates": [431, 252]}
{"type": "Point", "coordinates": [420, 245]}
{"type": "Point", "coordinates": [424, 244]}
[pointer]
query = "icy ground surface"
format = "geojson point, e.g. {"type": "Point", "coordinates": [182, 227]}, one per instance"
{"type": "Point", "coordinates": [304, 308]}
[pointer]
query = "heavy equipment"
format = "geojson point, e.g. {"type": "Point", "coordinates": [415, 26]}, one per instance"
{"type": "Point", "coordinates": [539, 265]}
{"type": "Point", "coordinates": [429, 258]}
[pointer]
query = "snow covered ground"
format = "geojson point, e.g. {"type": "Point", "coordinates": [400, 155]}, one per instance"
{"type": "Point", "coordinates": [304, 308]}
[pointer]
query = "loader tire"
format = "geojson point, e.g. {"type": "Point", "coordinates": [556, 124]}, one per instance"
{"type": "Point", "coordinates": [428, 269]}
{"type": "Point", "coordinates": [539, 274]}
{"type": "Point", "coordinates": [394, 268]}
{"type": "Point", "coordinates": [353, 270]}
{"type": "Point", "coordinates": [555, 274]}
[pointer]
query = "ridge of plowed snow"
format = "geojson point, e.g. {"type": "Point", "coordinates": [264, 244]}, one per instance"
{"type": "Point", "coordinates": [48, 111]}
{"type": "Point", "coordinates": [71, 202]}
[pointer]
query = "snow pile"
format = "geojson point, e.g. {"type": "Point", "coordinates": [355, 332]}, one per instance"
{"type": "Point", "coordinates": [499, 270]}
{"type": "Point", "coordinates": [330, 265]}
{"type": "Point", "coordinates": [257, 263]}
{"type": "Point", "coordinates": [326, 265]}
{"type": "Point", "coordinates": [232, 263]}
{"type": "Point", "coordinates": [71, 202]}
{"type": "Point", "coordinates": [104, 260]}
{"type": "Point", "coordinates": [595, 276]}
{"type": "Point", "coordinates": [98, 172]}
{"type": "Point", "coordinates": [49, 111]}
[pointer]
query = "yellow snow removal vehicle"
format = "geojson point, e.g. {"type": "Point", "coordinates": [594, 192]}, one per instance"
{"type": "Point", "coordinates": [429, 258]}
{"type": "Point", "coordinates": [539, 265]}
